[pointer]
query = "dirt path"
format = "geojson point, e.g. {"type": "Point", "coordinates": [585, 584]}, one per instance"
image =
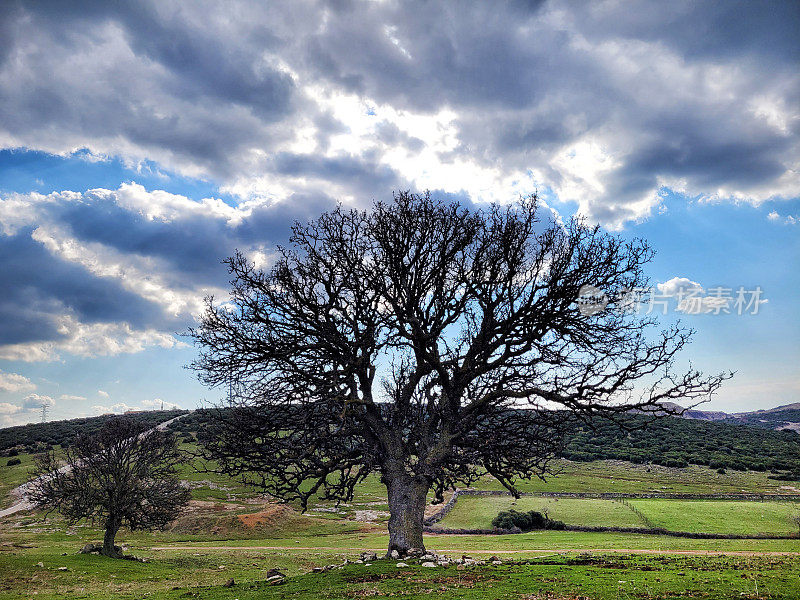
{"type": "Point", "coordinates": [472, 551]}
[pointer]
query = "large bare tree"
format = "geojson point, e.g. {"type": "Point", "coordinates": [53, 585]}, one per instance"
{"type": "Point", "coordinates": [430, 343]}
{"type": "Point", "coordinates": [121, 475]}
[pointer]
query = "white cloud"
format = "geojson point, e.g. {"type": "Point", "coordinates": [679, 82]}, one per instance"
{"type": "Point", "coordinates": [157, 403]}
{"type": "Point", "coordinates": [71, 398]}
{"type": "Point", "coordinates": [787, 220]}
{"type": "Point", "coordinates": [136, 274]}
{"type": "Point", "coordinates": [679, 285]}
{"type": "Point", "coordinates": [13, 382]}
{"type": "Point", "coordinates": [9, 409]}
{"type": "Point", "coordinates": [35, 401]}
{"type": "Point", "coordinates": [598, 106]}
{"type": "Point", "coordinates": [694, 299]}
{"type": "Point", "coordinates": [89, 340]}
{"type": "Point", "coordinates": [102, 394]}
{"type": "Point", "coordinates": [118, 408]}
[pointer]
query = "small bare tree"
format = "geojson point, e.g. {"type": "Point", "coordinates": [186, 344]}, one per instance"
{"type": "Point", "coordinates": [121, 475]}
{"type": "Point", "coordinates": [429, 343]}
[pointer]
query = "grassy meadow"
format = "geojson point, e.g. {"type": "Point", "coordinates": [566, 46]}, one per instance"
{"type": "Point", "coordinates": [233, 532]}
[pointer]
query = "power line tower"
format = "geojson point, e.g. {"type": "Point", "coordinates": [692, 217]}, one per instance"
{"type": "Point", "coordinates": [44, 412]}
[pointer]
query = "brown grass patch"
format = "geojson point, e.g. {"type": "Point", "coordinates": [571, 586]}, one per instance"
{"type": "Point", "coordinates": [270, 516]}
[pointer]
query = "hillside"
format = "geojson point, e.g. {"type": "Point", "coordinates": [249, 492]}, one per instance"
{"type": "Point", "coordinates": [670, 442]}
{"type": "Point", "coordinates": [677, 442]}
{"type": "Point", "coordinates": [778, 418]}
{"type": "Point", "coordinates": [742, 443]}
{"type": "Point", "coordinates": [37, 436]}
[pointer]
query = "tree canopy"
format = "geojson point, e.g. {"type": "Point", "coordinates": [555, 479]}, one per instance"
{"type": "Point", "coordinates": [404, 340]}
{"type": "Point", "coordinates": [123, 474]}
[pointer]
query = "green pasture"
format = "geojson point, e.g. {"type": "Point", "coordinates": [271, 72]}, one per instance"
{"type": "Point", "coordinates": [206, 548]}
{"type": "Point", "coordinates": [697, 516]}
{"type": "Point", "coordinates": [716, 516]}
{"type": "Point", "coordinates": [562, 564]}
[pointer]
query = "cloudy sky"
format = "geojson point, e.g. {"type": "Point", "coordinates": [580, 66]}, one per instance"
{"type": "Point", "coordinates": [142, 142]}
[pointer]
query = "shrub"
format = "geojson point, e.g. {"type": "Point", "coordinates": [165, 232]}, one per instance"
{"type": "Point", "coordinates": [526, 521]}
{"type": "Point", "coordinates": [13, 461]}
{"type": "Point", "coordinates": [721, 471]}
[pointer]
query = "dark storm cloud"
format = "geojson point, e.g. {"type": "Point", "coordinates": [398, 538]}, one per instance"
{"type": "Point", "coordinates": [202, 87]}
{"type": "Point", "coordinates": [42, 282]}
{"type": "Point", "coordinates": [306, 103]}
{"type": "Point", "coordinates": [38, 288]}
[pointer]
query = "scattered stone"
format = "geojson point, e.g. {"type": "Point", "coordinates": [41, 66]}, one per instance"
{"type": "Point", "coordinates": [273, 572]}
{"type": "Point", "coordinates": [443, 563]}
{"type": "Point", "coordinates": [415, 552]}
{"type": "Point", "coordinates": [369, 556]}
{"type": "Point", "coordinates": [230, 583]}
{"type": "Point", "coordinates": [460, 567]}
{"type": "Point", "coordinates": [402, 564]}
{"type": "Point", "coordinates": [497, 562]}
{"type": "Point", "coordinates": [91, 548]}
{"type": "Point", "coordinates": [394, 554]}
{"type": "Point", "coordinates": [428, 557]}
{"type": "Point", "coordinates": [428, 563]}
{"type": "Point", "coordinates": [274, 580]}
{"type": "Point", "coordinates": [40, 564]}
{"type": "Point", "coordinates": [63, 569]}
{"type": "Point", "coordinates": [493, 558]}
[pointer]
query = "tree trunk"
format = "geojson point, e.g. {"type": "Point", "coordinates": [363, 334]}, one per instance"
{"type": "Point", "coordinates": [407, 497]}
{"type": "Point", "coordinates": [108, 540]}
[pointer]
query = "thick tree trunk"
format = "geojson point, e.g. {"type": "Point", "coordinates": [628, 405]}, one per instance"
{"type": "Point", "coordinates": [108, 540]}
{"type": "Point", "coordinates": [407, 497]}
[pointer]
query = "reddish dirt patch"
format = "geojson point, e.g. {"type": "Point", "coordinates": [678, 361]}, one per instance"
{"type": "Point", "coordinates": [272, 515]}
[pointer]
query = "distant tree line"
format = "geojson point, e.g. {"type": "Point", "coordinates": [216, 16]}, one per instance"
{"type": "Point", "coordinates": [40, 437]}
{"type": "Point", "coordinates": [675, 442]}
{"type": "Point", "coordinates": [670, 442]}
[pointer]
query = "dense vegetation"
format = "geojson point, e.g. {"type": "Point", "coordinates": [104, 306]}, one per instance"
{"type": "Point", "coordinates": [525, 521]}
{"type": "Point", "coordinates": [670, 441]}
{"type": "Point", "coordinates": [38, 437]}
{"type": "Point", "coordinates": [675, 442]}
{"type": "Point", "coordinates": [772, 419]}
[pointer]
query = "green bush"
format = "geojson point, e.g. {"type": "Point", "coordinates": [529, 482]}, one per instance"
{"type": "Point", "coordinates": [13, 461]}
{"type": "Point", "coordinates": [526, 521]}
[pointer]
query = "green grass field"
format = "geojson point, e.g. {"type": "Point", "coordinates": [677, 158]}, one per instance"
{"type": "Point", "coordinates": [564, 565]}
{"type": "Point", "coordinates": [232, 532]}
{"type": "Point", "coordinates": [478, 512]}
{"type": "Point", "coordinates": [740, 517]}
{"type": "Point", "coordinates": [709, 516]}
